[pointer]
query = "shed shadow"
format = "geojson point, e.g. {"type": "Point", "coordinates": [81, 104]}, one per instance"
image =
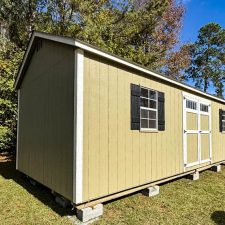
{"type": "Point", "coordinates": [218, 217]}
{"type": "Point", "coordinates": [42, 193]}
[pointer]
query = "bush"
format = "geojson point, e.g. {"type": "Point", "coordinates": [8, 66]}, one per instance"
{"type": "Point", "coordinates": [10, 58]}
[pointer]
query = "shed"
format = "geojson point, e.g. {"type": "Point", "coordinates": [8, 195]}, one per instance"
{"type": "Point", "coordinates": [93, 126]}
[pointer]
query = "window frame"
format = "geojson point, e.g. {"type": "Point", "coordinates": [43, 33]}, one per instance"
{"type": "Point", "coordinates": [193, 101]}
{"type": "Point", "coordinates": [223, 120]}
{"type": "Point", "coordinates": [149, 109]}
{"type": "Point", "coordinates": [204, 104]}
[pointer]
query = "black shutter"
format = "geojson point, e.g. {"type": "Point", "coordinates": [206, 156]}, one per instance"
{"type": "Point", "coordinates": [135, 106]}
{"type": "Point", "coordinates": [220, 119]}
{"type": "Point", "coordinates": [161, 111]}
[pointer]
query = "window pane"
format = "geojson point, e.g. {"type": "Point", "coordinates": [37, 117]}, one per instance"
{"type": "Point", "coordinates": [191, 104]}
{"type": "Point", "coordinates": [144, 113]}
{"type": "Point", "coordinates": [152, 104]}
{"type": "Point", "coordinates": [152, 94]}
{"type": "Point", "coordinates": [152, 124]}
{"type": "Point", "coordinates": [144, 102]}
{"type": "Point", "coordinates": [144, 92]}
{"type": "Point", "coordinates": [152, 114]}
{"type": "Point", "coordinates": [144, 123]}
{"type": "Point", "coordinates": [204, 108]}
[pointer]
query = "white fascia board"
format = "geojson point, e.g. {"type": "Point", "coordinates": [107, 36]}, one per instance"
{"type": "Point", "coordinates": [24, 60]}
{"type": "Point", "coordinates": [139, 68]}
{"type": "Point", "coordinates": [78, 126]}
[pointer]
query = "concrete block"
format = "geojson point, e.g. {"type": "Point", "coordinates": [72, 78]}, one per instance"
{"type": "Point", "coordinates": [90, 213]}
{"type": "Point", "coordinates": [62, 201]}
{"type": "Point", "coordinates": [193, 176]}
{"type": "Point", "coordinates": [216, 168]}
{"type": "Point", "coordinates": [151, 191]}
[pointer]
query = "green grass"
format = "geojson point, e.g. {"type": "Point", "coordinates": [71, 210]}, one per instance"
{"type": "Point", "coordinates": [183, 201]}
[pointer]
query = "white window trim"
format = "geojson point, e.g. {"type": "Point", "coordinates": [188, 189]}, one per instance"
{"type": "Point", "coordinates": [150, 109]}
{"type": "Point", "coordinates": [203, 112]}
{"type": "Point", "coordinates": [223, 131]}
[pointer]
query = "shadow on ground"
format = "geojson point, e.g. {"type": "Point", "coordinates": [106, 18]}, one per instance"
{"type": "Point", "coordinates": [8, 171]}
{"type": "Point", "coordinates": [218, 217]}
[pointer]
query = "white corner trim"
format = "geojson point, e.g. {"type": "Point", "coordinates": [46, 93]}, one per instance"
{"type": "Point", "coordinates": [78, 127]}
{"type": "Point", "coordinates": [17, 135]}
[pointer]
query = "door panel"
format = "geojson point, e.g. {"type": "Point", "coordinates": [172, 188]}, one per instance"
{"type": "Point", "coordinates": [205, 146]}
{"type": "Point", "coordinates": [204, 122]}
{"type": "Point", "coordinates": [197, 130]}
{"type": "Point", "coordinates": [192, 121]}
{"type": "Point", "coordinates": [192, 148]}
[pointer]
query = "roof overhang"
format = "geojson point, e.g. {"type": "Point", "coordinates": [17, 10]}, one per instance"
{"type": "Point", "coordinates": [89, 48]}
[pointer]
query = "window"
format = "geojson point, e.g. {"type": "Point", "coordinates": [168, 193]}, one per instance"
{"type": "Point", "coordinates": [191, 104]}
{"type": "Point", "coordinates": [148, 108]}
{"type": "Point", "coordinates": [222, 120]}
{"type": "Point", "coordinates": [204, 108]}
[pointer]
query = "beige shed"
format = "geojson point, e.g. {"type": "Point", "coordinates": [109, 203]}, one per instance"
{"type": "Point", "coordinates": [93, 126]}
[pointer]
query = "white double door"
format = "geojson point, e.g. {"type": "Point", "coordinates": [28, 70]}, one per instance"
{"type": "Point", "coordinates": [196, 130]}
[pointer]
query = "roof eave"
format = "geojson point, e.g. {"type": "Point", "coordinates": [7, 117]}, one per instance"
{"type": "Point", "coordinates": [102, 53]}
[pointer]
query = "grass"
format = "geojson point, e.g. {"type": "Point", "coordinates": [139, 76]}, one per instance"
{"type": "Point", "coordinates": [183, 201]}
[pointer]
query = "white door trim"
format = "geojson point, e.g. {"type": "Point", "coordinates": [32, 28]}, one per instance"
{"type": "Point", "coordinates": [78, 127]}
{"type": "Point", "coordinates": [199, 100]}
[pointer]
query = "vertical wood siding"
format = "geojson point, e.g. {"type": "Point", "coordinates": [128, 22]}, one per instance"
{"type": "Point", "coordinates": [218, 138]}
{"type": "Point", "coordinates": [46, 118]}
{"type": "Point", "coordinates": [115, 157]}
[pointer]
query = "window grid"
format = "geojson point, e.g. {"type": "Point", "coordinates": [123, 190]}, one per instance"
{"type": "Point", "coordinates": [204, 108]}
{"type": "Point", "coordinates": [149, 108]}
{"type": "Point", "coordinates": [191, 104]}
{"type": "Point", "coordinates": [223, 121]}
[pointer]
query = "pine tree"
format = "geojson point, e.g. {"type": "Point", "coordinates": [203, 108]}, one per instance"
{"type": "Point", "coordinates": [207, 58]}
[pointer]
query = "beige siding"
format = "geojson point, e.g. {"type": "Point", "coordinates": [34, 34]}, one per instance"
{"type": "Point", "coordinates": [204, 122]}
{"type": "Point", "coordinates": [192, 121]}
{"type": "Point", "coordinates": [218, 138]}
{"type": "Point", "coordinates": [46, 118]}
{"type": "Point", "coordinates": [192, 148]}
{"type": "Point", "coordinates": [115, 157]}
{"type": "Point", "coordinates": [205, 146]}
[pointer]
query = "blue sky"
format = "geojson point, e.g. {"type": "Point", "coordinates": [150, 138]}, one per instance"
{"type": "Point", "coordinates": [199, 13]}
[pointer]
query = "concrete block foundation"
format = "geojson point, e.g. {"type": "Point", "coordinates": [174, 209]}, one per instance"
{"type": "Point", "coordinates": [193, 176]}
{"type": "Point", "coordinates": [90, 213]}
{"type": "Point", "coordinates": [216, 168]}
{"type": "Point", "coordinates": [151, 191]}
